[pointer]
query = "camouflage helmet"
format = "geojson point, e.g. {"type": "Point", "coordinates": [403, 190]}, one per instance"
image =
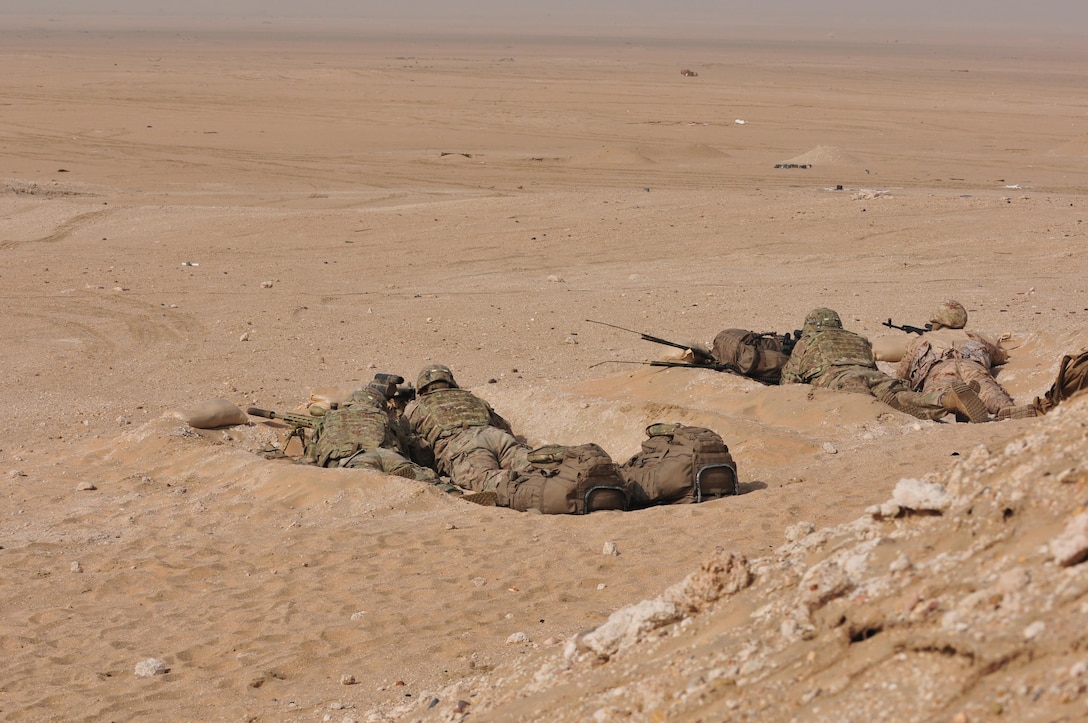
{"type": "Point", "coordinates": [372, 395]}
{"type": "Point", "coordinates": [950, 314]}
{"type": "Point", "coordinates": [434, 373]}
{"type": "Point", "coordinates": [822, 318]}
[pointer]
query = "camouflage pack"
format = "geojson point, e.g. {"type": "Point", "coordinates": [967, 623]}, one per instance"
{"type": "Point", "coordinates": [759, 356]}
{"type": "Point", "coordinates": [680, 465]}
{"type": "Point", "coordinates": [1072, 379]}
{"type": "Point", "coordinates": [568, 480]}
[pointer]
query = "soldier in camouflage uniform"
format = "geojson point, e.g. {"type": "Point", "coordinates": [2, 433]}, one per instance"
{"type": "Point", "coordinates": [471, 444]}
{"type": "Point", "coordinates": [828, 356]}
{"type": "Point", "coordinates": [361, 433]}
{"type": "Point", "coordinates": [948, 354]}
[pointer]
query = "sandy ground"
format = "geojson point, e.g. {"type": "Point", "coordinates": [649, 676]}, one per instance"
{"type": "Point", "coordinates": [186, 216]}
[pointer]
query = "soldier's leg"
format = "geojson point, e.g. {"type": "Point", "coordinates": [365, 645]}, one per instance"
{"type": "Point", "coordinates": [395, 463]}
{"type": "Point", "coordinates": [511, 453]}
{"type": "Point", "coordinates": [858, 380]}
{"type": "Point", "coordinates": [389, 461]}
{"type": "Point", "coordinates": [479, 470]}
{"type": "Point", "coordinates": [992, 394]}
{"type": "Point", "coordinates": [916, 404]}
{"type": "Point", "coordinates": [958, 398]}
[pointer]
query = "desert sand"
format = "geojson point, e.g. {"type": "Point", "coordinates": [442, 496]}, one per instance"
{"type": "Point", "coordinates": [255, 216]}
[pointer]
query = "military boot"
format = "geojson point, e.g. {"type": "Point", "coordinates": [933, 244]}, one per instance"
{"type": "Point", "coordinates": [487, 499]}
{"type": "Point", "coordinates": [1024, 411]}
{"type": "Point", "coordinates": [964, 401]}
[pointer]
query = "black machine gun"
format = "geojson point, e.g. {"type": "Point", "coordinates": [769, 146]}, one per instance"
{"type": "Point", "coordinates": [906, 328]}
{"type": "Point", "coordinates": [701, 355]}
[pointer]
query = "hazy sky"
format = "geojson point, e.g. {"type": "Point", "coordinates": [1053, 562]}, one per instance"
{"type": "Point", "coordinates": [1070, 16]}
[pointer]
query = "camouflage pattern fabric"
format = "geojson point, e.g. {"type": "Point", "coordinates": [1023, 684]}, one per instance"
{"type": "Point", "coordinates": [817, 352]}
{"type": "Point", "coordinates": [934, 361]}
{"type": "Point", "coordinates": [758, 356]}
{"type": "Point", "coordinates": [343, 432]}
{"type": "Point", "coordinates": [893, 392]}
{"type": "Point", "coordinates": [390, 462]}
{"type": "Point", "coordinates": [946, 373]}
{"type": "Point", "coordinates": [440, 413]}
{"type": "Point", "coordinates": [482, 459]}
{"type": "Point", "coordinates": [842, 360]}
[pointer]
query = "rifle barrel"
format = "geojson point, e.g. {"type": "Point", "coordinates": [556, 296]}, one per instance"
{"type": "Point", "coordinates": [304, 420]}
{"type": "Point", "coordinates": [645, 337]}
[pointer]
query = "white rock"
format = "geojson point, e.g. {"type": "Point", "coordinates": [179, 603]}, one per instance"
{"type": "Point", "coordinates": [821, 583]}
{"type": "Point", "coordinates": [799, 531]}
{"type": "Point", "coordinates": [518, 638]}
{"type": "Point", "coordinates": [900, 564]}
{"type": "Point", "coordinates": [918, 495]}
{"type": "Point", "coordinates": [150, 667]}
{"type": "Point", "coordinates": [627, 626]}
{"type": "Point", "coordinates": [1034, 630]}
{"type": "Point", "coordinates": [1071, 546]}
{"type": "Point", "coordinates": [610, 548]}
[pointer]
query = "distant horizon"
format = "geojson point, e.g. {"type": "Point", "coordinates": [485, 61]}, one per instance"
{"type": "Point", "coordinates": [700, 18]}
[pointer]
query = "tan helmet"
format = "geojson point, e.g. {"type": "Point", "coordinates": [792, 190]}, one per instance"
{"type": "Point", "coordinates": [950, 315]}
{"type": "Point", "coordinates": [434, 373]}
{"type": "Point", "coordinates": [822, 318]}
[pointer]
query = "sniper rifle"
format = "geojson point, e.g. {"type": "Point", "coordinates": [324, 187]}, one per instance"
{"type": "Point", "coordinates": [712, 366]}
{"type": "Point", "coordinates": [299, 423]}
{"type": "Point", "coordinates": [906, 328]}
{"type": "Point", "coordinates": [701, 355]}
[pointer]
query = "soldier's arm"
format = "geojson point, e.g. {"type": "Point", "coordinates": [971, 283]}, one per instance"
{"type": "Point", "coordinates": [998, 354]}
{"type": "Point", "coordinates": [498, 421]}
{"type": "Point", "coordinates": [420, 452]}
{"type": "Point", "coordinates": [791, 372]}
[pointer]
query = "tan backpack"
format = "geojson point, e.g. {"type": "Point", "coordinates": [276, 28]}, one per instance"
{"type": "Point", "coordinates": [679, 465]}
{"type": "Point", "coordinates": [758, 356]}
{"type": "Point", "coordinates": [568, 480]}
{"type": "Point", "coordinates": [1072, 380]}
